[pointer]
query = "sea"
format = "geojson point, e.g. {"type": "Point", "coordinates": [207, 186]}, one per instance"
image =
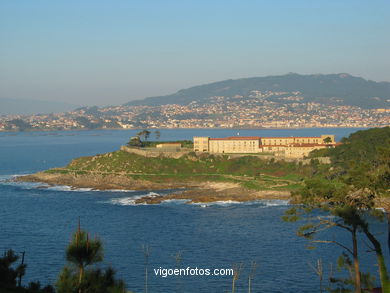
{"type": "Point", "coordinates": [39, 221]}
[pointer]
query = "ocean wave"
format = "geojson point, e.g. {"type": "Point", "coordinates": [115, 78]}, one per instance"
{"type": "Point", "coordinates": [274, 202]}
{"type": "Point", "coordinates": [5, 178]}
{"type": "Point", "coordinates": [217, 203]}
{"type": "Point", "coordinates": [67, 188]}
{"type": "Point", "coordinates": [9, 180]}
{"type": "Point", "coordinates": [131, 201]}
{"type": "Point", "coordinates": [39, 185]}
{"type": "Point", "coordinates": [261, 202]}
{"type": "Point", "coordinates": [117, 190]}
{"type": "Point", "coordinates": [175, 201]}
{"type": "Point", "coordinates": [79, 189]}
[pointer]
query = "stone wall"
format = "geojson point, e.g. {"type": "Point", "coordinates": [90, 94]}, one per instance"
{"type": "Point", "coordinates": [155, 152]}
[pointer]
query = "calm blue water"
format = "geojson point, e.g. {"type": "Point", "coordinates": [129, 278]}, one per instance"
{"type": "Point", "coordinates": [40, 222]}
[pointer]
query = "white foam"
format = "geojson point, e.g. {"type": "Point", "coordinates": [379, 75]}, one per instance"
{"type": "Point", "coordinates": [67, 188]}
{"type": "Point", "coordinates": [44, 186]}
{"type": "Point", "coordinates": [83, 189]}
{"type": "Point", "coordinates": [125, 201]}
{"type": "Point", "coordinates": [275, 202]}
{"type": "Point", "coordinates": [131, 201]}
{"type": "Point", "coordinates": [175, 201]}
{"type": "Point", "coordinates": [5, 178]}
{"type": "Point", "coordinates": [9, 180]}
{"type": "Point", "coordinates": [217, 203]}
{"type": "Point", "coordinates": [128, 201]}
{"type": "Point", "coordinates": [262, 202]}
{"type": "Point", "coordinates": [117, 190]}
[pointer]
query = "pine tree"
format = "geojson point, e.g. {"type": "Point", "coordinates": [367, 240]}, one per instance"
{"type": "Point", "coordinates": [79, 275]}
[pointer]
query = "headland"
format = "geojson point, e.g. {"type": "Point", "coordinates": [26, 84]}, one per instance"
{"type": "Point", "coordinates": [195, 177]}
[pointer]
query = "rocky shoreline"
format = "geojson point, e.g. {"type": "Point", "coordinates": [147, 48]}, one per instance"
{"type": "Point", "coordinates": [193, 192]}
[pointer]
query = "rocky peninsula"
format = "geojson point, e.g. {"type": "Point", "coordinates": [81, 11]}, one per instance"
{"type": "Point", "coordinates": [193, 177]}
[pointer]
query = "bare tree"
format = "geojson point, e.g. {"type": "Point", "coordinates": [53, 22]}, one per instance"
{"type": "Point", "coordinates": [146, 251]}
{"type": "Point", "coordinates": [237, 269]}
{"type": "Point", "coordinates": [157, 134]}
{"type": "Point", "coordinates": [310, 230]}
{"type": "Point", "coordinates": [178, 258]}
{"type": "Point", "coordinates": [251, 276]}
{"type": "Point", "coordinates": [319, 270]}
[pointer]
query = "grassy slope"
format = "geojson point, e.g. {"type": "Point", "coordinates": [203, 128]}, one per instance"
{"type": "Point", "coordinates": [250, 171]}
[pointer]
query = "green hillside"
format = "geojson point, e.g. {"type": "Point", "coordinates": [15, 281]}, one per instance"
{"type": "Point", "coordinates": [250, 171]}
{"type": "Point", "coordinates": [349, 90]}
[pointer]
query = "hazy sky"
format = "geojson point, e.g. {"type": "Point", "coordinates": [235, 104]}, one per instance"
{"type": "Point", "coordinates": [109, 52]}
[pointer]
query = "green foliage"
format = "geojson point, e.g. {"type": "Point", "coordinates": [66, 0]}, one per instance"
{"type": "Point", "coordinates": [252, 172]}
{"type": "Point", "coordinates": [184, 143]}
{"type": "Point", "coordinates": [361, 147]}
{"type": "Point", "coordinates": [346, 284]}
{"type": "Point", "coordinates": [102, 281]}
{"type": "Point", "coordinates": [9, 273]}
{"type": "Point", "coordinates": [291, 215]}
{"type": "Point", "coordinates": [306, 230]}
{"type": "Point", "coordinates": [157, 134]}
{"type": "Point", "coordinates": [141, 140]}
{"type": "Point", "coordinates": [144, 134]}
{"type": "Point", "coordinates": [35, 287]}
{"type": "Point", "coordinates": [357, 178]}
{"type": "Point", "coordinates": [79, 276]}
{"type": "Point", "coordinates": [83, 251]}
{"type": "Point", "coordinates": [135, 142]}
{"type": "Point", "coordinates": [328, 140]}
{"type": "Point", "coordinates": [360, 171]}
{"type": "Point", "coordinates": [67, 281]}
{"type": "Point", "coordinates": [94, 281]}
{"type": "Point", "coordinates": [319, 153]}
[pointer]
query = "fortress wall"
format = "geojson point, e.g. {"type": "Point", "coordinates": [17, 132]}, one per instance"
{"type": "Point", "coordinates": [154, 153]}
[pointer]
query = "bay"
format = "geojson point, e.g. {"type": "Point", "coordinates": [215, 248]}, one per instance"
{"type": "Point", "coordinates": [40, 221]}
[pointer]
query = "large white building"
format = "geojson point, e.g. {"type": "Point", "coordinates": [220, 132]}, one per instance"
{"type": "Point", "coordinates": [293, 147]}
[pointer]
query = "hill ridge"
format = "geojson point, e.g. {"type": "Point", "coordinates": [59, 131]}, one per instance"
{"type": "Point", "coordinates": [323, 88]}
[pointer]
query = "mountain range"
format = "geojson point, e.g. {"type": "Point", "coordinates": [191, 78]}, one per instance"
{"type": "Point", "coordinates": [341, 89]}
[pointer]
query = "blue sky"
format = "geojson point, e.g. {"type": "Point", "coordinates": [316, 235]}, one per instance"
{"type": "Point", "coordinates": [108, 52]}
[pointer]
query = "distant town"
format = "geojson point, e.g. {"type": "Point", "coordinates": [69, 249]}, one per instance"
{"type": "Point", "coordinates": [269, 109]}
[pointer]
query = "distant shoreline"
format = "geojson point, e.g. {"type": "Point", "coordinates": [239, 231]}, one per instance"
{"type": "Point", "coordinates": [216, 128]}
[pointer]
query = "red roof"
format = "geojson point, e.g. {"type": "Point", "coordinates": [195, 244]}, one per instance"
{"type": "Point", "coordinates": [238, 138]}
{"type": "Point", "coordinates": [296, 145]}
{"type": "Point", "coordinates": [309, 144]}
{"type": "Point", "coordinates": [258, 138]}
{"type": "Point", "coordinates": [285, 137]}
